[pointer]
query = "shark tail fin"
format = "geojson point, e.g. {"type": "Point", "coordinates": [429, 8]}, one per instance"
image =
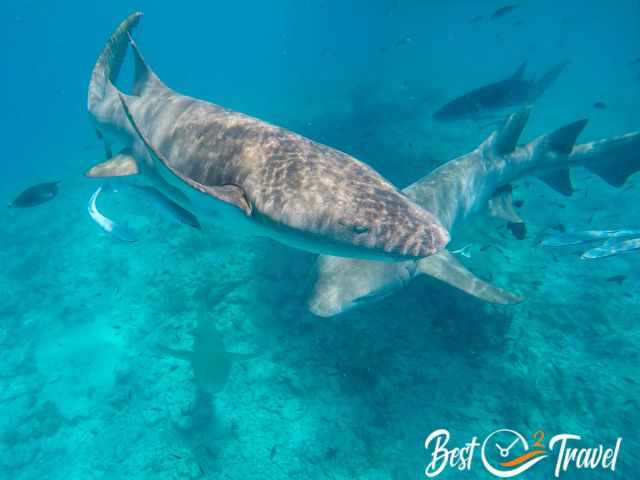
{"type": "Point", "coordinates": [612, 159]}
{"type": "Point", "coordinates": [560, 143]}
{"type": "Point", "coordinates": [107, 67]}
{"type": "Point", "coordinates": [446, 268]}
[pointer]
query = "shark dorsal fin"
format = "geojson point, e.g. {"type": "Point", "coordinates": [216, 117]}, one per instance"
{"type": "Point", "coordinates": [563, 139]}
{"type": "Point", "coordinates": [560, 181]}
{"type": "Point", "coordinates": [446, 268]}
{"type": "Point", "coordinates": [144, 77]}
{"type": "Point", "coordinates": [507, 137]}
{"type": "Point", "coordinates": [501, 205]}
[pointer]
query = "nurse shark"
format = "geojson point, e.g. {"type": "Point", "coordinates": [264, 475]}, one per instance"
{"type": "Point", "coordinates": [514, 90]}
{"type": "Point", "coordinates": [249, 176]}
{"type": "Point", "coordinates": [479, 179]}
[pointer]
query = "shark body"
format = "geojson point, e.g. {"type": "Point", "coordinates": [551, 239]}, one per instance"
{"type": "Point", "coordinates": [463, 186]}
{"type": "Point", "coordinates": [252, 177]}
{"type": "Point", "coordinates": [514, 90]}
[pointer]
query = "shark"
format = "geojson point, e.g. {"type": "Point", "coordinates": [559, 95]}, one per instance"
{"type": "Point", "coordinates": [479, 180]}
{"type": "Point", "coordinates": [244, 174]}
{"type": "Point", "coordinates": [515, 90]}
{"type": "Point", "coordinates": [210, 362]}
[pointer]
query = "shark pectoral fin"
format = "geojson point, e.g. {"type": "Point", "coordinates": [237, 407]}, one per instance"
{"type": "Point", "coordinates": [446, 268]}
{"type": "Point", "coordinates": [501, 205]}
{"type": "Point", "coordinates": [560, 181]}
{"type": "Point", "coordinates": [122, 165]}
{"type": "Point", "coordinates": [231, 194]}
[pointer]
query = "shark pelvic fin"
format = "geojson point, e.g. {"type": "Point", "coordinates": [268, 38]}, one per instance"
{"type": "Point", "coordinates": [560, 181]}
{"type": "Point", "coordinates": [507, 137]}
{"type": "Point", "coordinates": [122, 165]}
{"type": "Point", "coordinates": [231, 194]}
{"type": "Point", "coordinates": [501, 205]}
{"type": "Point", "coordinates": [446, 268]}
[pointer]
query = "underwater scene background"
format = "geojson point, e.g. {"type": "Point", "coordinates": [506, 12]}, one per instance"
{"type": "Point", "coordinates": [255, 386]}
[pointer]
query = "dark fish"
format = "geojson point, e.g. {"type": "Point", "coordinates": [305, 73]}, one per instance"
{"type": "Point", "coordinates": [617, 279]}
{"type": "Point", "coordinates": [35, 195]}
{"type": "Point", "coordinates": [600, 105]}
{"type": "Point", "coordinates": [519, 230]}
{"type": "Point", "coordinates": [502, 11]}
{"type": "Point", "coordinates": [485, 247]}
{"type": "Point", "coordinates": [635, 61]}
{"type": "Point", "coordinates": [518, 203]}
{"type": "Point", "coordinates": [559, 228]}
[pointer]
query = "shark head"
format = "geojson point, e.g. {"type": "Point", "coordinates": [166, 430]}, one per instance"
{"type": "Point", "coordinates": [342, 284]}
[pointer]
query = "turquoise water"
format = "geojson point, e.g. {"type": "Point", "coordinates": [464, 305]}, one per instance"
{"type": "Point", "coordinates": [88, 390]}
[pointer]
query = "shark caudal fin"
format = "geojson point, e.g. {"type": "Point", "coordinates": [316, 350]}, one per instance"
{"type": "Point", "coordinates": [446, 268]}
{"type": "Point", "coordinates": [107, 67]}
{"type": "Point", "coordinates": [559, 144]}
{"type": "Point", "coordinates": [612, 159]}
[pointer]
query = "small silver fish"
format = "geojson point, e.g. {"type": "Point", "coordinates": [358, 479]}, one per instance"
{"type": "Point", "coordinates": [612, 247]}
{"type": "Point", "coordinates": [119, 230]}
{"type": "Point", "coordinates": [586, 236]}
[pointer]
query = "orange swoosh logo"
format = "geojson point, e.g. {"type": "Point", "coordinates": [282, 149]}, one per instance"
{"type": "Point", "coordinates": [522, 458]}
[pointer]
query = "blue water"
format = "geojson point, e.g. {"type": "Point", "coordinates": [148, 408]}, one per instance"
{"type": "Point", "coordinates": [86, 392]}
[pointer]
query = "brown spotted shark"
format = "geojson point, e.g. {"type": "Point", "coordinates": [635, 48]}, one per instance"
{"type": "Point", "coordinates": [463, 186]}
{"type": "Point", "coordinates": [246, 175]}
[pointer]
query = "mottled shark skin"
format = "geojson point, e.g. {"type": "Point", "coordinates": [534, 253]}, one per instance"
{"type": "Point", "coordinates": [461, 187]}
{"type": "Point", "coordinates": [515, 90]}
{"type": "Point", "coordinates": [247, 175]}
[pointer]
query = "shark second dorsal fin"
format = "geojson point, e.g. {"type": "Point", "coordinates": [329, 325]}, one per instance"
{"type": "Point", "coordinates": [446, 268]}
{"type": "Point", "coordinates": [501, 205]}
{"type": "Point", "coordinates": [563, 139]}
{"type": "Point", "coordinates": [507, 137]}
